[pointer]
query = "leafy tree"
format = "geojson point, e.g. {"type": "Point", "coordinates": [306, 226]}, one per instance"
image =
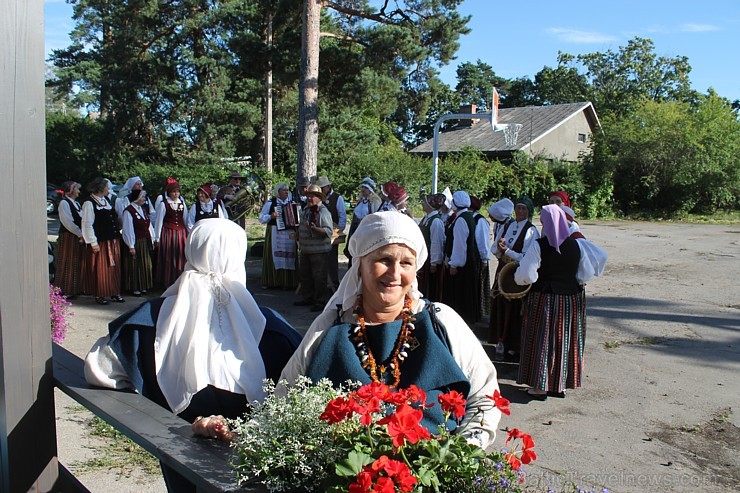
{"type": "Point", "coordinates": [475, 83]}
{"type": "Point", "coordinates": [408, 36]}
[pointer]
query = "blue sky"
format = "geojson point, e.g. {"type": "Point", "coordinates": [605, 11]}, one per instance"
{"type": "Point", "coordinates": [519, 38]}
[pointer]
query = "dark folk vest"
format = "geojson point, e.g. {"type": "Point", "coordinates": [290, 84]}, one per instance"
{"type": "Point", "coordinates": [473, 254]}
{"type": "Point", "coordinates": [201, 214]}
{"type": "Point", "coordinates": [174, 219]}
{"type": "Point", "coordinates": [430, 365]}
{"type": "Point", "coordinates": [76, 215]}
{"type": "Point", "coordinates": [105, 225]}
{"type": "Point", "coordinates": [557, 272]}
{"type": "Point", "coordinates": [141, 224]}
{"type": "Point", "coordinates": [331, 204]}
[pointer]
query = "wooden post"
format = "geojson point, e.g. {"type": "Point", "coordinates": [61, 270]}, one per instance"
{"type": "Point", "coordinates": [27, 425]}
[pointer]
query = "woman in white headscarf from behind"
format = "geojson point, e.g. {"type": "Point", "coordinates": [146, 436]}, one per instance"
{"type": "Point", "coordinates": [367, 320]}
{"type": "Point", "coordinates": [205, 346]}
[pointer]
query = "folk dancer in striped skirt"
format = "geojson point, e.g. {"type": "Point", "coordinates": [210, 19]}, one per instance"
{"type": "Point", "coordinates": [100, 231]}
{"type": "Point", "coordinates": [206, 207]}
{"type": "Point", "coordinates": [137, 237]}
{"type": "Point", "coordinates": [70, 243]}
{"type": "Point", "coordinates": [510, 245]}
{"type": "Point", "coordinates": [279, 257]}
{"type": "Point", "coordinates": [170, 233]}
{"type": "Point", "coordinates": [554, 325]}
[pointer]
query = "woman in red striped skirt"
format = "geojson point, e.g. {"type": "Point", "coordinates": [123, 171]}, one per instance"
{"type": "Point", "coordinates": [100, 231]}
{"type": "Point", "coordinates": [554, 324]}
{"type": "Point", "coordinates": [137, 238]}
{"type": "Point", "coordinates": [70, 243]}
{"type": "Point", "coordinates": [170, 232]}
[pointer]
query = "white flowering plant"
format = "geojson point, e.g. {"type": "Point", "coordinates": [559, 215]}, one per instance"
{"type": "Point", "coordinates": [368, 439]}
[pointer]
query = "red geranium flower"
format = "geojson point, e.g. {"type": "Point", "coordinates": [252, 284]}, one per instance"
{"type": "Point", "coordinates": [513, 461]}
{"type": "Point", "coordinates": [362, 484]}
{"type": "Point", "coordinates": [372, 390]}
{"type": "Point", "coordinates": [385, 485]}
{"type": "Point", "coordinates": [403, 425]}
{"type": "Point", "coordinates": [501, 403]}
{"type": "Point", "coordinates": [415, 395]}
{"type": "Point", "coordinates": [453, 402]}
{"type": "Point", "coordinates": [336, 410]}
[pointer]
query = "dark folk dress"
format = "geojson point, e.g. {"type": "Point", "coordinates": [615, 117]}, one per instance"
{"type": "Point", "coordinates": [462, 291]}
{"type": "Point", "coordinates": [429, 365]}
{"type": "Point", "coordinates": [70, 255]}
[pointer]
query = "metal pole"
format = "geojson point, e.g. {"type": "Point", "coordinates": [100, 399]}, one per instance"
{"type": "Point", "coordinates": [435, 152]}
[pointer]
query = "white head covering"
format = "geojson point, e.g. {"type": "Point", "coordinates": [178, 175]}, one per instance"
{"type": "Point", "coordinates": [501, 210]}
{"type": "Point", "coordinates": [129, 185]}
{"type": "Point", "coordinates": [376, 231]}
{"type": "Point", "coordinates": [570, 215]}
{"type": "Point", "coordinates": [368, 183]}
{"type": "Point", "coordinates": [460, 200]}
{"type": "Point", "coordinates": [448, 197]}
{"type": "Point", "coordinates": [209, 327]}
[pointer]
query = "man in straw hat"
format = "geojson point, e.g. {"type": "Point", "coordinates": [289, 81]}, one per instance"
{"type": "Point", "coordinates": [314, 239]}
{"type": "Point", "coordinates": [335, 204]}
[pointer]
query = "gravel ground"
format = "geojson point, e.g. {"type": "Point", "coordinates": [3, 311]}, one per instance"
{"type": "Point", "coordinates": [660, 407]}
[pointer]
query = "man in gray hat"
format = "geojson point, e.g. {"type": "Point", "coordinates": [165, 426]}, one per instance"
{"type": "Point", "coordinates": [335, 203]}
{"type": "Point", "coordinates": [314, 242]}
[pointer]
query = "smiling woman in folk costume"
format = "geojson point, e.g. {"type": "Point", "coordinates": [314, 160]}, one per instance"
{"type": "Point", "coordinates": [100, 231]}
{"type": "Point", "coordinates": [70, 243]}
{"type": "Point", "coordinates": [204, 347]}
{"type": "Point", "coordinates": [376, 328]}
{"type": "Point", "coordinates": [170, 232]}
{"type": "Point", "coordinates": [554, 325]}
{"type": "Point", "coordinates": [281, 215]}
{"type": "Point", "coordinates": [138, 233]}
{"type": "Point", "coordinates": [205, 207]}
{"type": "Point", "coordinates": [515, 239]}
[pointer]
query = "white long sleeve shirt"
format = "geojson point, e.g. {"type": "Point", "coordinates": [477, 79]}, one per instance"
{"type": "Point", "coordinates": [511, 235]}
{"type": "Point", "coordinates": [124, 202]}
{"type": "Point", "coordinates": [437, 237]}
{"type": "Point", "coordinates": [66, 217]}
{"type": "Point", "coordinates": [460, 230]}
{"type": "Point", "coordinates": [482, 237]}
{"type": "Point", "coordinates": [190, 220]}
{"type": "Point", "coordinates": [129, 235]}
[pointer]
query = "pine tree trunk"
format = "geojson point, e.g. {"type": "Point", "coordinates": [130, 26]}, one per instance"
{"type": "Point", "coordinates": [308, 95]}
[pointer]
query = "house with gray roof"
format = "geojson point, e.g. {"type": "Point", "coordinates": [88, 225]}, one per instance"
{"type": "Point", "coordinates": [558, 131]}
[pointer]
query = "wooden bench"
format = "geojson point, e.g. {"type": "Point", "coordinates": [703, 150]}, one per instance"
{"type": "Point", "coordinates": [163, 434]}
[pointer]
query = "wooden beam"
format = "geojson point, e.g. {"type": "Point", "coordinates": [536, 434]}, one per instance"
{"type": "Point", "coordinates": [27, 424]}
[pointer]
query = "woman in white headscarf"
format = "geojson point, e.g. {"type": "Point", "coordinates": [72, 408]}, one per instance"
{"type": "Point", "coordinates": [205, 346]}
{"type": "Point", "coordinates": [554, 324]}
{"type": "Point", "coordinates": [366, 332]}
{"type": "Point", "coordinates": [369, 203]}
{"type": "Point", "coordinates": [123, 200]}
{"type": "Point", "coordinates": [280, 214]}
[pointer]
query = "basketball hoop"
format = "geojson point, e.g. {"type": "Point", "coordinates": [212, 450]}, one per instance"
{"type": "Point", "coordinates": [511, 132]}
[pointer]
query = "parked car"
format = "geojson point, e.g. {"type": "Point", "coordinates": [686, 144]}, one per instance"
{"type": "Point", "coordinates": [53, 196]}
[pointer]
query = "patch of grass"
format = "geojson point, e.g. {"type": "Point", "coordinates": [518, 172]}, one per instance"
{"type": "Point", "coordinates": [612, 344]}
{"type": "Point", "coordinates": [117, 453]}
{"type": "Point", "coordinates": [76, 409]}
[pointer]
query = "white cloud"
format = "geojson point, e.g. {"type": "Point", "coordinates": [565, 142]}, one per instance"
{"type": "Point", "coordinates": [576, 36]}
{"type": "Point", "coordinates": [698, 28]}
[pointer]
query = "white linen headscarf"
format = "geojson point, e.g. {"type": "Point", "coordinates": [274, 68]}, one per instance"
{"type": "Point", "coordinates": [460, 200]}
{"type": "Point", "coordinates": [209, 327]}
{"type": "Point", "coordinates": [128, 186]}
{"type": "Point", "coordinates": [375, 231]}
{"type": "Point", "coordinates": [501, 210]}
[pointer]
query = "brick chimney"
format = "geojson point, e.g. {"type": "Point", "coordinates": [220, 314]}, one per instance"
{"type": "Point", "coordinates": [468, 109]}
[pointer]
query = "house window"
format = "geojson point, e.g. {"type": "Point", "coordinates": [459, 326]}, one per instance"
{"type": "Point", "coordinates": [582, 138]}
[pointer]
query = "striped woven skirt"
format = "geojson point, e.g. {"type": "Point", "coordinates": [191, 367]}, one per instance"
{"type": "Point", "coordinates": [279, 260]}
{"type": "Point", "coordinates": [103, 269]}
{"type": "Point", "coordinates": [69, 258]}
{"type": "Point", "coordinates": [553, 340]}
{"type": "Point", "coordinates": [137, 270]}
{"type": "Point", "coordinates": [171, 255]}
